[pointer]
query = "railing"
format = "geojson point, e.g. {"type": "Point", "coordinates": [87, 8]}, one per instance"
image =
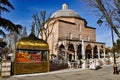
{"type": "Point", "coordinates": [65, 64]}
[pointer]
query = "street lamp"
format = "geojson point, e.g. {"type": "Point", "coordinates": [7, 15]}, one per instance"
{"type": "Point", "coordinates": [99, 22]}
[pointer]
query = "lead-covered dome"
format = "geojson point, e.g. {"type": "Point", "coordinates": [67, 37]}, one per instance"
{"type": "Point", "coordinates": [65, 12]}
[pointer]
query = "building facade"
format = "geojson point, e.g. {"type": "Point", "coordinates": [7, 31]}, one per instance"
{"type": "Point", "coordinates": [71, 38]}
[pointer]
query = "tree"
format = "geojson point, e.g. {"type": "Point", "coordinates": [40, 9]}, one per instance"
{"type": "Point", "coordinates": [4, 23]}
{"type": "Point", "coordinates": [2, 44]}
{"type": "Point", "coordinates": [107, 50]}
{"type": "Point", "coordinates": [39, 20]}
{"type": "Point", "coordinates": [118, 45]}
{"type": "Point", "coordinates": [43, 25]}
{"type": "Point", "coordinates": [109, 11]}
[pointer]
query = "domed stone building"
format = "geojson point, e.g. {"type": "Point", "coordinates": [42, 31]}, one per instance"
{"type": "Point", "coordinates": [71, 38]}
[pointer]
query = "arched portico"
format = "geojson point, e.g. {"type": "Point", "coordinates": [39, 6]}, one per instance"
{"type": "Point", "coordinates": [79, 51]}
{"type": "Point", "coordinates": [88, 51]}
{"type": "Point", "coordinates": [74, 51]}
{"type": "Point", "coordinates": [61, 53]}
{"type": "Point", "coordinates": [102, 53]}
{"type": "Point", "coordinates": [71, 52]}
{"type": "Point", "coordinates": [95, 52]}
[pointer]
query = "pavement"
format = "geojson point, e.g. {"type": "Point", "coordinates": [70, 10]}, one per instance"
{"type": "Point", "coordinates": [104, 73]}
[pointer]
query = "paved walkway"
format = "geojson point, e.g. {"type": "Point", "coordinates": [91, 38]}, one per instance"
{"type": "Point", "coordinates": [105, 73]}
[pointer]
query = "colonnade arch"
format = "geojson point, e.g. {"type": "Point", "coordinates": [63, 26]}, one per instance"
{"type": "Point", "coordinates": [68, 51]}
{"type": "Point", "coordinates": [71, 52]}
{"type": "Point", "coordinates": [95, 51]}
{"type": "Point", "coordinates": [88, 53]}
{"type": "Point", "coordinates": [102, 51]}
{"type": "Point", "coordinates": [79, 51]}
{"type": "Point", "coordinates": [61, 52]}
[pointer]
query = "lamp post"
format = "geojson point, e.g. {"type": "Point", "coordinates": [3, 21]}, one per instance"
{"type": "Point", "coordinates": [115, 65]}
{"type": "Point", "coordinates": [99, 22]}
{"type": "Point", "coordinates": [0, 69]}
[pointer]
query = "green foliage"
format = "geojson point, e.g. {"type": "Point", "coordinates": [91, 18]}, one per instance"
{"type": "Point", "coordinates": [3, 44]}
{"type": "Point", "coordinates": [5, 3]}
{"type": "Point", "coordinates": [4, 23]}
{"type": "Point", "coordinates": [107, 50]}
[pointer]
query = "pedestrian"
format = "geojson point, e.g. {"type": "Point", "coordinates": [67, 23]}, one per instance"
{"type": "Point", "coordinates": [92, 64]}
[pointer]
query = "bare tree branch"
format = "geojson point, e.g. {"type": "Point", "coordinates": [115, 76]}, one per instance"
{"type": "Point", "coordinates": [43, 27]}
{"type": "Point", "coordinates": [110, 10]}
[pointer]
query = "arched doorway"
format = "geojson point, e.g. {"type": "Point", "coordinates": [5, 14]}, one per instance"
{"type": "Point", "coordinates": [79, 52]}
{"type": "Point", "coordinates": [95, 52]}
{"type": "Point", "coordinates": [101, 53]}
{"type": "Point", "coordinates": [61, 53]}
{"type": "Point", "coordinates": [71, 52]}
{"type": "Point", "coordinates": [88, 53]}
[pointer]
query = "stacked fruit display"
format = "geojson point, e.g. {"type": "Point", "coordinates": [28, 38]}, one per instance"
{"type": "Point", "coordinates": [23, 57]}
{"type": "Point", "coordinates": [26, 57]}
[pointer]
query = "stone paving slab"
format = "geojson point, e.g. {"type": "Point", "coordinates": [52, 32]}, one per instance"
{"type": "Point", "coordinates": [105, 73]}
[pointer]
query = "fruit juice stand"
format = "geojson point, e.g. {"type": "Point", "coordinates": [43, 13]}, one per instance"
{"type": "Point", "coordinates": [31, 55]}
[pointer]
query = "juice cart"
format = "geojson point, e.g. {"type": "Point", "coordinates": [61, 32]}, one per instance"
{"type": "Point", "coordinates": [31, 55]}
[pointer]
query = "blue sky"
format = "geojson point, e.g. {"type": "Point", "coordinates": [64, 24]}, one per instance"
{"type": "Point", "coordinates": [24, 9]}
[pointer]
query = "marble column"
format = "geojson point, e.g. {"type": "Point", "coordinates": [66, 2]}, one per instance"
{"type": "Point", "coordinates": [75, 54]}
{"type": "Point", "coordinates": [98, 53]}
{"type": "Point", "coordinates": [75, 48]}
{"type": "Point", "coordinates": [104, 52]}
{"type": "Point", "coordinates": [83, 50]}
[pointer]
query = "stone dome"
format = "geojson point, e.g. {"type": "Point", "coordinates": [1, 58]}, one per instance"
{"type": "Point", "coordinates": [65, 12]}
